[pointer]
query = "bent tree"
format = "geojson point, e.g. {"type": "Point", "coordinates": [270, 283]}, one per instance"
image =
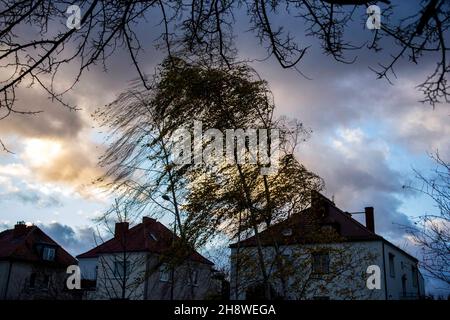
{"type": "Point", "coordinates": [214, 198]}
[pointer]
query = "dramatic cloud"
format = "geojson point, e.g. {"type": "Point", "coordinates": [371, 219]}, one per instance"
{"type": "Point", "coordinates": [75, 240]}
{"type": "Point", "coordinates": [62, 161]}
{"type": "Point", "coordinates": [16, 192]}
{"type": "Point", "coordinates": [54, 120]}
{"type": "Point", "coordinates": [367, 134]}
{"type": "Point", "coordinates": [357, 174]}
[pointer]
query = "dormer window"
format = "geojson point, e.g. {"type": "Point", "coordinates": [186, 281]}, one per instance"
{"type": "Point", "coordinates": [153, 237]}
{"type": "Point", "coordinates": [327, 228]}
{"type": "Point", "coordinates": [48, 254]}
{"type": "Point", "coordinates": [330, 228]}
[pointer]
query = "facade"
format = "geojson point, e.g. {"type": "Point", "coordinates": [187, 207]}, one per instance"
{"type": "Point", "coordinates": [323, 253]}
{"type": "Point", "coordinates": [135, 265]}
{"type": "Point", "coordinates": [32, 265]}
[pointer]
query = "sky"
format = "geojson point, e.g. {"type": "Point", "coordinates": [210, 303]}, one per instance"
{"type": "Point", "coordinates": [367, 137]}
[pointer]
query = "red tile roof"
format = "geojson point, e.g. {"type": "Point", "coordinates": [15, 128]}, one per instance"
{"type": "Point", "coordinates": [23, 247]}
{"type": "Point", "coordinates": [140, 239]}
{"type": "Point", "coordinates": [303, 224]}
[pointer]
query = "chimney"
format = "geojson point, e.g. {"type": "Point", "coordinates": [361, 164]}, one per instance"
{"type": "Point", "coordinates": [121, 230]}
{"type": "Point", "coordinates": [370, 222]}
{"type": "Point", "coordinates": [19, 229]}
{"type": "Point", "coordinates": [146, 220]}
{"type": "Point", "coordinates": [320, 204]}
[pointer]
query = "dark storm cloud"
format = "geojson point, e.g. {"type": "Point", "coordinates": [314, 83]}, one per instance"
{"type": "Point", "coordinates": [357, 174]}
{"type": "Point", "coordinates": [74, 240]}
{"type": "Point", "coordinates": [22, 194]}
{"type": "Point", "coordinates": [55, 120]}
{"type": "Point", "coordinates": [338, 96]}
{"type": "Point", "coordinates": [37, 199]}
{"type": "Point", "coordinates": [341, 96]}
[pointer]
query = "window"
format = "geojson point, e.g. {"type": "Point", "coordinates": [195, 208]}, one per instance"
{"type": "Point", "coordinates": [46, 282]}
{"type": "Point", "coordinates": [164, 273]}
{"type": "Point", "coordinates": [286, 263]}
{"type": "Point", "coordinates": [391, 265]}
{"type": "Point", "coordinates": [48, 254]}
{"type": "Point", "coordinates": [404, 286]}
{"type": "Point", "coordinates": [414, 276]}
{"type": "Point", "coordinates": [153, 237]}
{"type": "Point", "coordinates": [121, 268]}
{"type": "Point", "coordinates": [286, 259]}
{"type": "Point", "coordinates": [328, 228]}
{"type": "Point", "coordinates": [193, 277]}
{"type": "Point", "coordinates": [32, 282]}
{"type": "Point", "coordinates": [321, 263]}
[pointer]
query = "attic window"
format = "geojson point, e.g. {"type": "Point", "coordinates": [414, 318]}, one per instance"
{"type": "Point", "coordinates": [48, 254]}
{"type": "Point", "coordinates": [327, 228]}
{"type": "Point", "coordinates": [287, 232]}
{"type": "Point", "coordinates": [153, 236]}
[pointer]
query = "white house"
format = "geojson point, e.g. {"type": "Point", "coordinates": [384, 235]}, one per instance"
{"type": "Point", "coordinates": [134, 265]}
{"type": "Point", "coordinates": [323, 253]}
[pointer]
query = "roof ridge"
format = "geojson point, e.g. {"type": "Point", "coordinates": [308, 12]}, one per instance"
{"type": "Point", "coordinates": [23, 249]}
{"type": "Point", "coordinates": [109, 240]}
{"type": "Point", "coordinates": [112, 245]}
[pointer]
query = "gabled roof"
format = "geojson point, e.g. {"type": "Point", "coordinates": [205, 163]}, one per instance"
{"type": "Point", "coordinates": [304, 225]}
{"type": "Point", "coordinates": [148, 236]}
{"type": "Point", "coordinates": [23, 247]}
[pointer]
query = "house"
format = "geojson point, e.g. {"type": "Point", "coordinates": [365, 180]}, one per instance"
{"type": "Point", "coordinates": [32, 265]}
{"type": "Point", "coordinates": [322, 252]}
{"type": "Point", "coordinates": [139, 263]}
